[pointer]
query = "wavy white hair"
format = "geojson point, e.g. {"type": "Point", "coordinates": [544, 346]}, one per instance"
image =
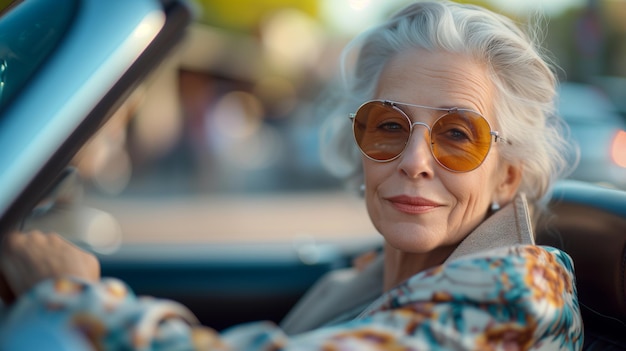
{"type": "Point", "coordinates": [524, 80]}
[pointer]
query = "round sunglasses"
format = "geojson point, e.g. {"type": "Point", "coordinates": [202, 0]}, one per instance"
{"type": "Point", "coordinates": [460, 139]}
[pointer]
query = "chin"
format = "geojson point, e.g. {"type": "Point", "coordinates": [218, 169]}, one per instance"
{"type": "Point", "coordinates": [411, 243]}
{"type": "Point", "coordinates": [413, 238]}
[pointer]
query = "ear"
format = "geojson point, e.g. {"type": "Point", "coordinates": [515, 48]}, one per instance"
{"type": "Point", "coordinates": [509, 183]}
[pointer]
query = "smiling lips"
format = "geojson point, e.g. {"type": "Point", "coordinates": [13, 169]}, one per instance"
{"type": "Point", "coordinates": [412, 205]}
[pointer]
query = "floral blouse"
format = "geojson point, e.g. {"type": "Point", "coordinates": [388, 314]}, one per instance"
{"type": "Point", "coordinates": [514, 298]}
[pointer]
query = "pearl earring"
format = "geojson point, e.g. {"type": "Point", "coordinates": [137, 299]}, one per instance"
{"type": "Point", "coordinates": [495, 206]}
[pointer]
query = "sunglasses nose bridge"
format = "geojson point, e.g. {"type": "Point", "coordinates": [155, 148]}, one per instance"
{"type": "Point", "coordinates": [410, 140]}
{"type": "Point", "coordinates": [413, 124]}
{"type": "Point", "coordinates": [416, 124]}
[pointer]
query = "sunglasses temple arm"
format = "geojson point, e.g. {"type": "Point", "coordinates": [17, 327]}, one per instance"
{"type": "Point", "coordinates": [498, 138]}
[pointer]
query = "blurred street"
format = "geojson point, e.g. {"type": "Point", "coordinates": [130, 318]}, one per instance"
{"type": "Point", "coordinates": [332, 217]}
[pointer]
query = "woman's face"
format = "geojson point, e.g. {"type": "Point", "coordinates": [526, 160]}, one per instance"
{"type": "Point", "coordinates": [417, 205]}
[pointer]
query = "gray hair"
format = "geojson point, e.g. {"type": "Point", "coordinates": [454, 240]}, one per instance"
{"type": "Point", "coordinates": [525, 84]}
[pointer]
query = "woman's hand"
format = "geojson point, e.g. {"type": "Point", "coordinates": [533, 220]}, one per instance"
{"type": "Point", "coordinates": [28, 258]}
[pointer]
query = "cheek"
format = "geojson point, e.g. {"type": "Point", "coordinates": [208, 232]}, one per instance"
{"type": "Point", "coordinates": [373, 174]}
{"type": "Point", "coordinates": [371, 183]}
{"type": "Point", "coordinates": [368, 175]}
{"type": "Point", "coordinates": [474, 189]}
{"type": "Point", "coordinates": [471, 194]}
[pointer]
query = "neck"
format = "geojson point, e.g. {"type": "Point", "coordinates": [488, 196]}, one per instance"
{"type": "Point", "coordinates": [509, 226]}
{"type": "Point", "coordinates": [400, 265]}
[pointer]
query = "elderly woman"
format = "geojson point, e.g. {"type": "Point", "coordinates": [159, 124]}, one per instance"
{"type": "Point", "coordinates": [457, 139]}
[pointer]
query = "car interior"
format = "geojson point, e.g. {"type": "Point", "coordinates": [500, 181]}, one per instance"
{"type": "Point", "coordinates": [589, 223]}
{"type": "Point", "coordinates": [230, 284]}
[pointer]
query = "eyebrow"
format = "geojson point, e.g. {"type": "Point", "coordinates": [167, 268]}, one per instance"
{"type": "Point", "coordinates": [444, 108]}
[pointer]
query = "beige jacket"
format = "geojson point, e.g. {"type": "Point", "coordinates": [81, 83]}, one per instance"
{"type": "Point", "coordinates": [343, 294]}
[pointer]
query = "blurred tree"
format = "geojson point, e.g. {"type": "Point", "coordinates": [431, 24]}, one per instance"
{"type": "Point", "coordinates": [615, 11]}
{"type": "Point", "coordinates": [245, 15]}
{"type": "Point", "coordinates": [4, 4]}
{"type": "Point", "coordinates": [590, 41]}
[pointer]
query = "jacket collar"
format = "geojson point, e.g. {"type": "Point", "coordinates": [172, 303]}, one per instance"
{"type": "Point", "coordinates": [344, 294]}
{"type": "Point", "coordinates": [508, 226]}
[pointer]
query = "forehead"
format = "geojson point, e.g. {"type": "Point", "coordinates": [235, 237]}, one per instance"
{"type": "Point", "coordinates": [437, 79]}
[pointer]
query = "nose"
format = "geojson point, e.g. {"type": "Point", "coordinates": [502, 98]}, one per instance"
{"type": "Point", "coordinates": [417, 160]}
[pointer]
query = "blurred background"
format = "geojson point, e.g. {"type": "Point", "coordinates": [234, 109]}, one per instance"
{"type": "Point", "coordinates": [221, 143]}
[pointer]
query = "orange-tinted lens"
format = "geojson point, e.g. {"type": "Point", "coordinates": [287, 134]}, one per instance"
{"type": "Point", "coordinates": [381, 131]}
{"type": "Point", "coordinates": [460, 140]}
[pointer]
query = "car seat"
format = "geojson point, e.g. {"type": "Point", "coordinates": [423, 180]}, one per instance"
{"type": "Point", "coordinates": [589, 223]}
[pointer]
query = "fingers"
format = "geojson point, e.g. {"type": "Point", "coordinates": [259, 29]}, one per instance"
{"type": "Point", "coordinates": [28, 258]}
{"type": "Point", "coordinates": [12, 261]}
